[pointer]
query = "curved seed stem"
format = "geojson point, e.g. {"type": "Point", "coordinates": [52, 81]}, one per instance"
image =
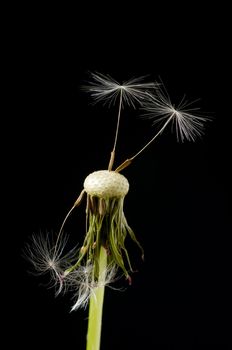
{"type": "Point", "coordinates": [77, 202]}
{"type": "Point", "coordinates": [153, 138]}
{"type": "Point", "coordinates": [129, 160]}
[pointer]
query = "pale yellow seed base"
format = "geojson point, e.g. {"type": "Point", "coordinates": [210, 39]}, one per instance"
{"type": "Point", "coordinates": [106, 184]}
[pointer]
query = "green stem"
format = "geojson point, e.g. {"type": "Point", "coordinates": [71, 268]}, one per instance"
{"type": "Point", "coordinates": [96, 306]}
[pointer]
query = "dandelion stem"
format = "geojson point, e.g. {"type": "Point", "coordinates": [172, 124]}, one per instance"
{"type": "Point", "coordinates": [111, 162]}
{"type": "Point", "coordinates": [96, 306]}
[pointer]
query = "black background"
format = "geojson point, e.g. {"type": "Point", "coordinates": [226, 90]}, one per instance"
{"type": "Point", "coordinates": [177, 202]}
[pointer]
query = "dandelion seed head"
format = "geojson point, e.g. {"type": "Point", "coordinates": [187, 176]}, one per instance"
{"type": "Point", "coordinates": [95, 264]}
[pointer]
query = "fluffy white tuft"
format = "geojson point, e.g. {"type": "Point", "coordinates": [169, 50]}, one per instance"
{"type": "Point", "coordinates": [186, 121]}
{"type": "Point", "coordinates": [47, 256]}
{"type": "Point", "coordinates": [82, 281]}
{"type": "Point", "coordinates": [104, 88]}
